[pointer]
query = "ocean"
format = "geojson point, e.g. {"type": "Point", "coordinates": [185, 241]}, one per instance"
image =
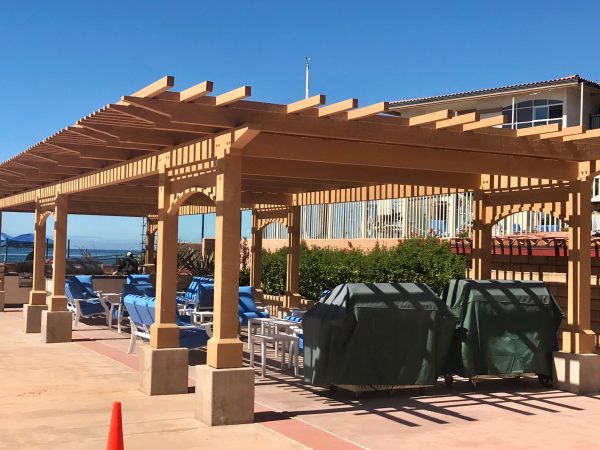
{"type": "Point", "coordinates": [106, 256]}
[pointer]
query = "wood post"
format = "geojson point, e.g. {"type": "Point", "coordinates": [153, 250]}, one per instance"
{"type": "Point", "coordinates": [579, 338]}
{"type": "Point", "coordinates": [1, 274]}
{"type": "Point", "coordinates": [293, 258]}
{"type": "Point", "coordinates": [164, 332]}
{"type": "Point", "coordinates": [150, 257]}
{"type": "Point", "coordinates": [256, 249]}
{"type": "Point", "coordinates": [58, 301]}
{"type": "Point", "coordinates": [481, 249]}
{"type": "Point", "coordinates": [37, 295]}
{"type": "Point", "coordinates": [225, 348]}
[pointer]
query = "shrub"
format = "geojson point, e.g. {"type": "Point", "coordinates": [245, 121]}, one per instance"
{"type": "Point", "coordinates": [426, 260]}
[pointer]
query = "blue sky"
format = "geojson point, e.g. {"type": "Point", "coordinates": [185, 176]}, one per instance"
{"type": "Point", "coordinates": [62, 60]}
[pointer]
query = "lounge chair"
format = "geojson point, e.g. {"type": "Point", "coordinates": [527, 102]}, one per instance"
{"type": "Point", "coordinates": [83, 301]}
{"type": "Point", "coordinates": [199, 295]}
{"type": "Point", "coordinates": [247, 309]}
{"type": "Point", "coordinates": [142, 315]}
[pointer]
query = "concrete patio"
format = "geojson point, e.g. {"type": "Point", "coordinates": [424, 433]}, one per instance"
{"type": "Point", "coordinates": [60, 396]}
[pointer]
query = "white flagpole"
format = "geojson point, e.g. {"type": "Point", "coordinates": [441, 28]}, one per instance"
{"type": "Point", "coordinates": [307, 77]}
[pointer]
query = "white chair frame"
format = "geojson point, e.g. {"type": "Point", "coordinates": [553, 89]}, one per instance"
{"type": "Point", "coordinates": [143, 332]}
{"type": "Point", "coordinates": [76, 308]}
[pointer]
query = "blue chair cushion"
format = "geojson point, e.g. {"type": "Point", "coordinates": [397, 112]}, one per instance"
{"type": "Point", "coordinates": [91, 307]}
{"type": "Point", "coordinates": [193, 338]}
{"type": "Point", "coordinates": [246, 307]}
{"type": "Point", "coordinates": [146, 309]}
{"type": "Point", "coordinates": [138, 279]}
{"type": "Point", "coordinates": [142, 311]}
{"type": "Point", "coordinates": [206, 295]}
{"type": "Point", "coordinates": [129, 302]}
{"type": "Point", "coordinates": [83, 286]}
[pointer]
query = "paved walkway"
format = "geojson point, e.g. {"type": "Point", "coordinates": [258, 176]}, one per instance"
{"type": "Point", "coordinates": [60, 396]}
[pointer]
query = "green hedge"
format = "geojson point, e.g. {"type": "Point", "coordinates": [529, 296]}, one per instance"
{"type": "Point", "coordinates": [426, 260]}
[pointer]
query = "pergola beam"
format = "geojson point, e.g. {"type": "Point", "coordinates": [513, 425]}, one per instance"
{"type": "Point", "coordinates": [305, 104]}
{"type": "Point", "coordinates": [408, 157]}
{"type": "Point", "coordinates": [457, 120]}
{"type": "Point", "coordinates": [337, 108]}
{"type": "Point", "coordinates": [195, 92]}
{"type": "Point", "coordinates": [435, 116]}
{"type": "Point", "coordinates": [156, 88]}
{"type": "Point", "coordinates": [233, 96]}
{"type": "Point", "coordinates": [484, 123]}
{"type": "Point", "coordinates": [276, 169]}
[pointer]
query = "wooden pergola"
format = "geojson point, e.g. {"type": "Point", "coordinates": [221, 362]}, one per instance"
{"type": "Point", "coordinates": [159, 153]}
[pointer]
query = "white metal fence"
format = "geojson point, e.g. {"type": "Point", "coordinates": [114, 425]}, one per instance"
{"type": "Point", "coordinates": [443, 215]}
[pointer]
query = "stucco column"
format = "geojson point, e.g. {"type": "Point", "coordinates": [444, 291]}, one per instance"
{"type": "Point", "coordinates": [481, 249]}
{"type": "Point", "coordinates": [1, 275]}
{"type": "Point", "coordinates": [37, 296]}
{"type": "Point", "coordinates": [58, 301]}
{"type": "Point", "coordinates": [164, 332]}
{"type": "Point", "coordinates": [256, 250]}
{"type": "Point", "coordinates": [225, 348]}
{"type": "Point", "coordinates": [57, 321]}
{"type": "Point", "coordinates": [32, 312]}
{"type": "Point", "coordinates": [580, 338]}
{"type": "Point", "coordinates": [293, 259]}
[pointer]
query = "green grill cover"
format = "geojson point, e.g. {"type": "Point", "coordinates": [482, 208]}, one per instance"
{"type": "Point", "coordinates": [377, 334]}
{"type": "Point", "coordinates": [504, 327]}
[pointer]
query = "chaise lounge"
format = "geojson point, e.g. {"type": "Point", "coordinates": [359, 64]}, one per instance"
{"type": "Point", "coordinates": [141, 311]}
{"type": "Point", "coordinates": [84, 301]}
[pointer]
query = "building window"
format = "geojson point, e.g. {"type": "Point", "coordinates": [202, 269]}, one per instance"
{"type": "Point", "coordinates": [532, 113]}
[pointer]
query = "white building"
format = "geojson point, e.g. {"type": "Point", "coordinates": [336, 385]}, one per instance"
{"type": "Point", "coordinates": [570, 101]}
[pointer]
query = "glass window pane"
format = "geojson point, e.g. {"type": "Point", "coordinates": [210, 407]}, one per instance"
{"type": "Point", "coordinates": [555, 111]}
{"type": "Point", "coordinates": [540, 102]}
{"type": "Point", "coordinates": [524, 115]}
{"type": "Point", "coordinates": [524, 125]}
{"type": "Point", "coordinates": [554, 102]}
{"type": "Point", "coordinates": [525, 104]}
{"type": "Point", "coordinates": [541, 113]}
{"type": "Point", "coordinates": [541, 122]}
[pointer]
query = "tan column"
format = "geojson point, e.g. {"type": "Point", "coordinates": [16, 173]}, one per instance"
{"type": "Point", "coordinates": [164, 332]}
{"type": "Point", "coordinates": [37, 295]}
{"type": "Point", "coordinates": [580, 338]}
{"type": "Point", "coordinates": [225, 348]}
{"type": "Point", "coordinates": [149, 257]}
{"type": "Point", "coordinates": [58, 301]}
{"type": "Point", "coordinates": [1, 275]}
{"type": "Point", "coordinates": [481, 250]}
{"type": "Point", "coordinates": [256, 249]}
{"type": "Point", "coordinates": [293, 258]}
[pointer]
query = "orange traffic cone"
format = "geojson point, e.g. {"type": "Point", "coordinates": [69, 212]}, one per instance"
{"type": "Point", "coordinates": [115, 432]}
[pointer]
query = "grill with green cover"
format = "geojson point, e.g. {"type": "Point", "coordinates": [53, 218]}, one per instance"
{"type": "Point", "coordinates": [377, 334]}
{"type": "Point", "coordinates": [504, 327]}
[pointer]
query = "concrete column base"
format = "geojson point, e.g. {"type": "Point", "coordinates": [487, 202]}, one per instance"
{"type": "Point", "coordinates": [56, 326]}
{"type": "Point", "coordinates": [575, 373]}
{"type": "Point", "coordinates": [2, 296]}
{"type": "Point", "coordinates": [224, 396]}
{"type": "Point", "coordinates": [32, 316]}
{"type": "Point", "coordinates": [163, 370]}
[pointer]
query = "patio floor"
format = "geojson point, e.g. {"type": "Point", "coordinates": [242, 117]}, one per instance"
{"type": "Point", "coordinates": [60, 396]}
